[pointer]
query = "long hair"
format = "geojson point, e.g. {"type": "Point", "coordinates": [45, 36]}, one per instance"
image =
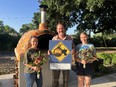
{"type": "Point", "coordinates": [29, 42]}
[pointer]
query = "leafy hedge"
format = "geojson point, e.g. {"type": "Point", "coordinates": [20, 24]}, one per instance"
{"type": "Point", "coordinates": [109, 64]}
{"type": "Point", "coordinates": [109, 58]}
{"type": "Point", "coordinates": [99, 41]}
{"type": "Point", "coordinates": [8, 42]}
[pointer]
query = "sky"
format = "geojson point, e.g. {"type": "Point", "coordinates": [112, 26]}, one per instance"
{"type": "Point", "coordinates": [14, 13]}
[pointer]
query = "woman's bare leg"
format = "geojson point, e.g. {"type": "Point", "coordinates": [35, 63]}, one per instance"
{"type": "Point", "coordinates": [80, 81]}
{"type": "Point", "coordinates": [87, 81]}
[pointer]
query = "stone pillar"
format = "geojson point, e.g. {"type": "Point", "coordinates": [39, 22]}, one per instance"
{"type": "Point", "coordinates": [21, 80]}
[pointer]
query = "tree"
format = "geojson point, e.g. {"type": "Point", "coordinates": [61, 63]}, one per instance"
{"type": "Point", "coordinates": [36, 20]}
{"type": "Point", "coordinates": [87, 15]}
{"type": "Point", "coordinates": [26, 27]}
{"type": "Point", "coordinates": [1, 27]}
{"type": "Point", "coordinates": [8, 42]}
{"type": "Point", "coordinates": [7, 29]}
{"type": "Point", "coordinates": [66, 11]}
{"type": "Point", "coordinates": [8, 37]}
{"type": "Point", "coordinates": [100, 19]}
{"type": "Point", "coordinates": [59, 11]}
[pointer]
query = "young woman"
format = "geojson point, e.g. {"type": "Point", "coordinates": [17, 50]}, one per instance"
{"type": "Point", "coordinates": [30, 69]}
{"type": "Point", "coordinates": [85, 55]}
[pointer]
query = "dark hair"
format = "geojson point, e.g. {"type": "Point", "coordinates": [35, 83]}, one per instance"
{"type": "Point", "coordinates": [59, 23]}
{"type": "Point", "coordinates": [33, 37]}
{"type": "Point", "coordinates": [84, 33]}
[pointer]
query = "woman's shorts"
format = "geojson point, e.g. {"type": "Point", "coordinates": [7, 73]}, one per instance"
{"type": "Point", "coordinates": [87, 71]}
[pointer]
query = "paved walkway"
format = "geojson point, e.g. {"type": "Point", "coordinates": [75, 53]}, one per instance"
{"type": "Point", "coordinates": [105, 81]}
{"type": "Point", "coordinates": [6, 80]}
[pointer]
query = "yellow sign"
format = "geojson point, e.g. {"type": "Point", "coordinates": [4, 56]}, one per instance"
{"type": "Point", "coordinates": [60, 51]}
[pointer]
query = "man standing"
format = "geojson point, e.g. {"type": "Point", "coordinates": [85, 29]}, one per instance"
{"type": "Point", "coordinates": [56, 73]}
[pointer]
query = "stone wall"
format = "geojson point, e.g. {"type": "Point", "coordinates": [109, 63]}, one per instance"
{"type": "Point", "coordinates": [106, 49]}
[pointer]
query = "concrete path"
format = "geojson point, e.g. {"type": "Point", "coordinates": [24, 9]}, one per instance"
{"type": "Point", "coordinates": [105, 81]}
{"type": "Point", "coordinates": [6, 80]}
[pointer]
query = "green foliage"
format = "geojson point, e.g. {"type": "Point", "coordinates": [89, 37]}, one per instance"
{"type": "Point", "coordinates": [109, 65]}
{"type": "Point", "coordinates": [87, 15]}
{"type": "Point", "coordinates": [113, 59]}
{"type": "Point", "coordinates": [104, 41]}
{"type": "Point", "coordinates": [36, 20]}
{"type": "Point", "coordinates": [68, 11]}
{"type": "Point", "coordinates": [92, 5]}
{"type": "Point", "coordinates": [99, 17]}
{"type": "Point", "coordinates": [8, 37]}
{"type": "Point", "coordinates": [98, 40]}
{"type": "Point", "coordinates": [7, 29]}
{"type": "Point", "coordinates": [59, 11]}
{"type": "Point", "coordinates": [26, 27]}
{"type": "Point", "coordinates": [103, 71]}
{"type": "Point", "coordinates": [8, 42]}
{"type": "Point", "coordinates": [109, 59]}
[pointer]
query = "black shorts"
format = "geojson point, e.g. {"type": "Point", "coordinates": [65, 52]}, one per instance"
{"type": "Point", "coordinates": [87, 71]}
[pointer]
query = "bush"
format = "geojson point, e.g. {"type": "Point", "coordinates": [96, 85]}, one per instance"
{"type": "Point", "coordinates": [108, 66]}
{"type": "Point", "coordinates": [109, 59]}
{"type": "Point", "coordinates": [99, 42]}
{"type": "Point", "coordinates": [8, 42]}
